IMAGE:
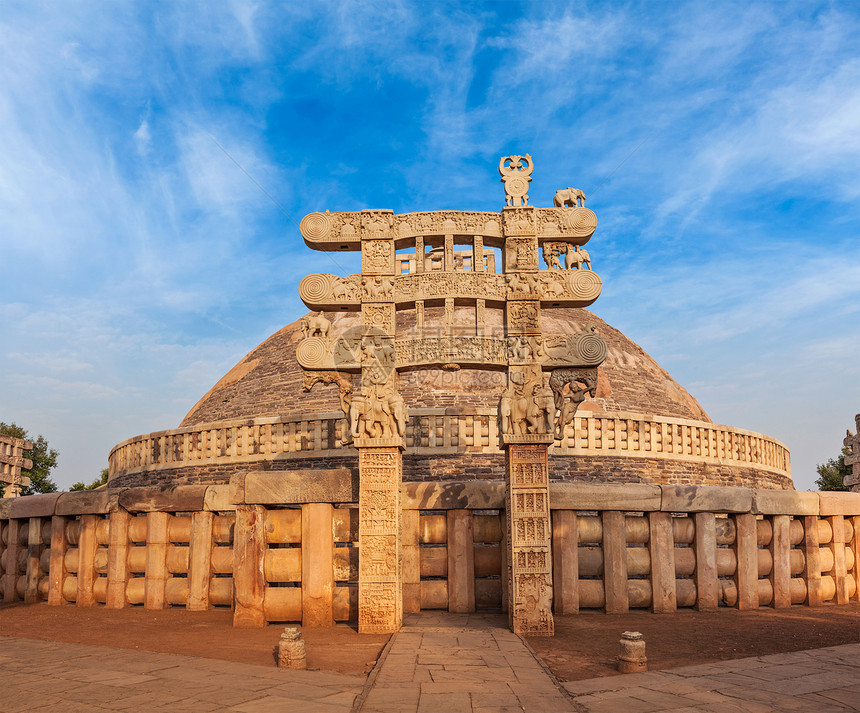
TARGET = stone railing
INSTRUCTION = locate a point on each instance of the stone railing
(277, 546)
(434, 431)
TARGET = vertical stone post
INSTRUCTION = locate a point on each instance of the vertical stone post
(380, 593)
(746, 552)
(13, 545)
(529, 551)
(118, 547)
(419, 253)
(837, 549)
(199, 560)
(249, 578)
(87, 545)
(478, 253)
(461, 561)
(34, 555)
(662, 546)
(156, 560)
(565, 562)
(617, 600)
(855, 545)
(317, 565)
(780, 573)
(707, 582)
(380, 432)
(411, 560)
(57, 569)
(812, 556)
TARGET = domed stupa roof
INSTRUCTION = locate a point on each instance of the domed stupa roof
(268, 381)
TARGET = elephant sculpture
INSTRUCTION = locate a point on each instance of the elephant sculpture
(374, 415)
(573, 259)
(569, 197)
(316, 326)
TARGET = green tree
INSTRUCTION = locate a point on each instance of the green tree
(832, 473)
(44, 460)
(97, 483)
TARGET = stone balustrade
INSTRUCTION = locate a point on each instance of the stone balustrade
(276, 546)
(440, 431)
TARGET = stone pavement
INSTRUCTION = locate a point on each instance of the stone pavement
(817, 681)
(460, 663)
(437, 663)
(37, 675)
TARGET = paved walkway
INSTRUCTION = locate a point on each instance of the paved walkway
(466, 663)
(437, 663)
(817, 681)
(37, 675)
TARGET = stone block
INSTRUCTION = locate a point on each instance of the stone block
(5, 508)
(835, 503)
(217, 499)
(237, 488)
(41, 505)
(163, 498)
(334, 485)
(694, 498)
(87, 502)
(472, 495)
(784, 502)
(593, 496)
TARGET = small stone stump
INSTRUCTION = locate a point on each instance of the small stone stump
(632, 658)
(291, 649)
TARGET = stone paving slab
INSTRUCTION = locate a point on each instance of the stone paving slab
(437, 663)
(469, 663)
(42, 676)
(817, 681)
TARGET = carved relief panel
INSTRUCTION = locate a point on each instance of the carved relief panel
(530, 562)
(379, 577)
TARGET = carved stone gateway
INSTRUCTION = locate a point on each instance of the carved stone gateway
(12, 461)
(411, 262)
(852, 456)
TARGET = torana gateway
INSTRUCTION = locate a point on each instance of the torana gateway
(450, 429)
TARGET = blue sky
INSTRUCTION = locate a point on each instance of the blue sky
(140, 264)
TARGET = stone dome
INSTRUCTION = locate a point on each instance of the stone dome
(268, 381)
(642, 426)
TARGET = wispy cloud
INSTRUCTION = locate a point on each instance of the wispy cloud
(146, 262)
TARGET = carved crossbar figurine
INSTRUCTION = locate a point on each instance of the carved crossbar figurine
(12, 461)
(548, 375)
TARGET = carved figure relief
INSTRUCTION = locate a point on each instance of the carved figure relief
(524, 315)
(574, 259)
(316, 326)
(571, 197)
(525, 405)
(378, 412)
(522, 283)
(379, 289)
(377, 256)
(580, 383)
(343, 382)
(516, 174)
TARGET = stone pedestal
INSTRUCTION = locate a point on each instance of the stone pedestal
(380, 599)
(528, 526)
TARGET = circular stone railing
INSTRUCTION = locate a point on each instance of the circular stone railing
(450, 431)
